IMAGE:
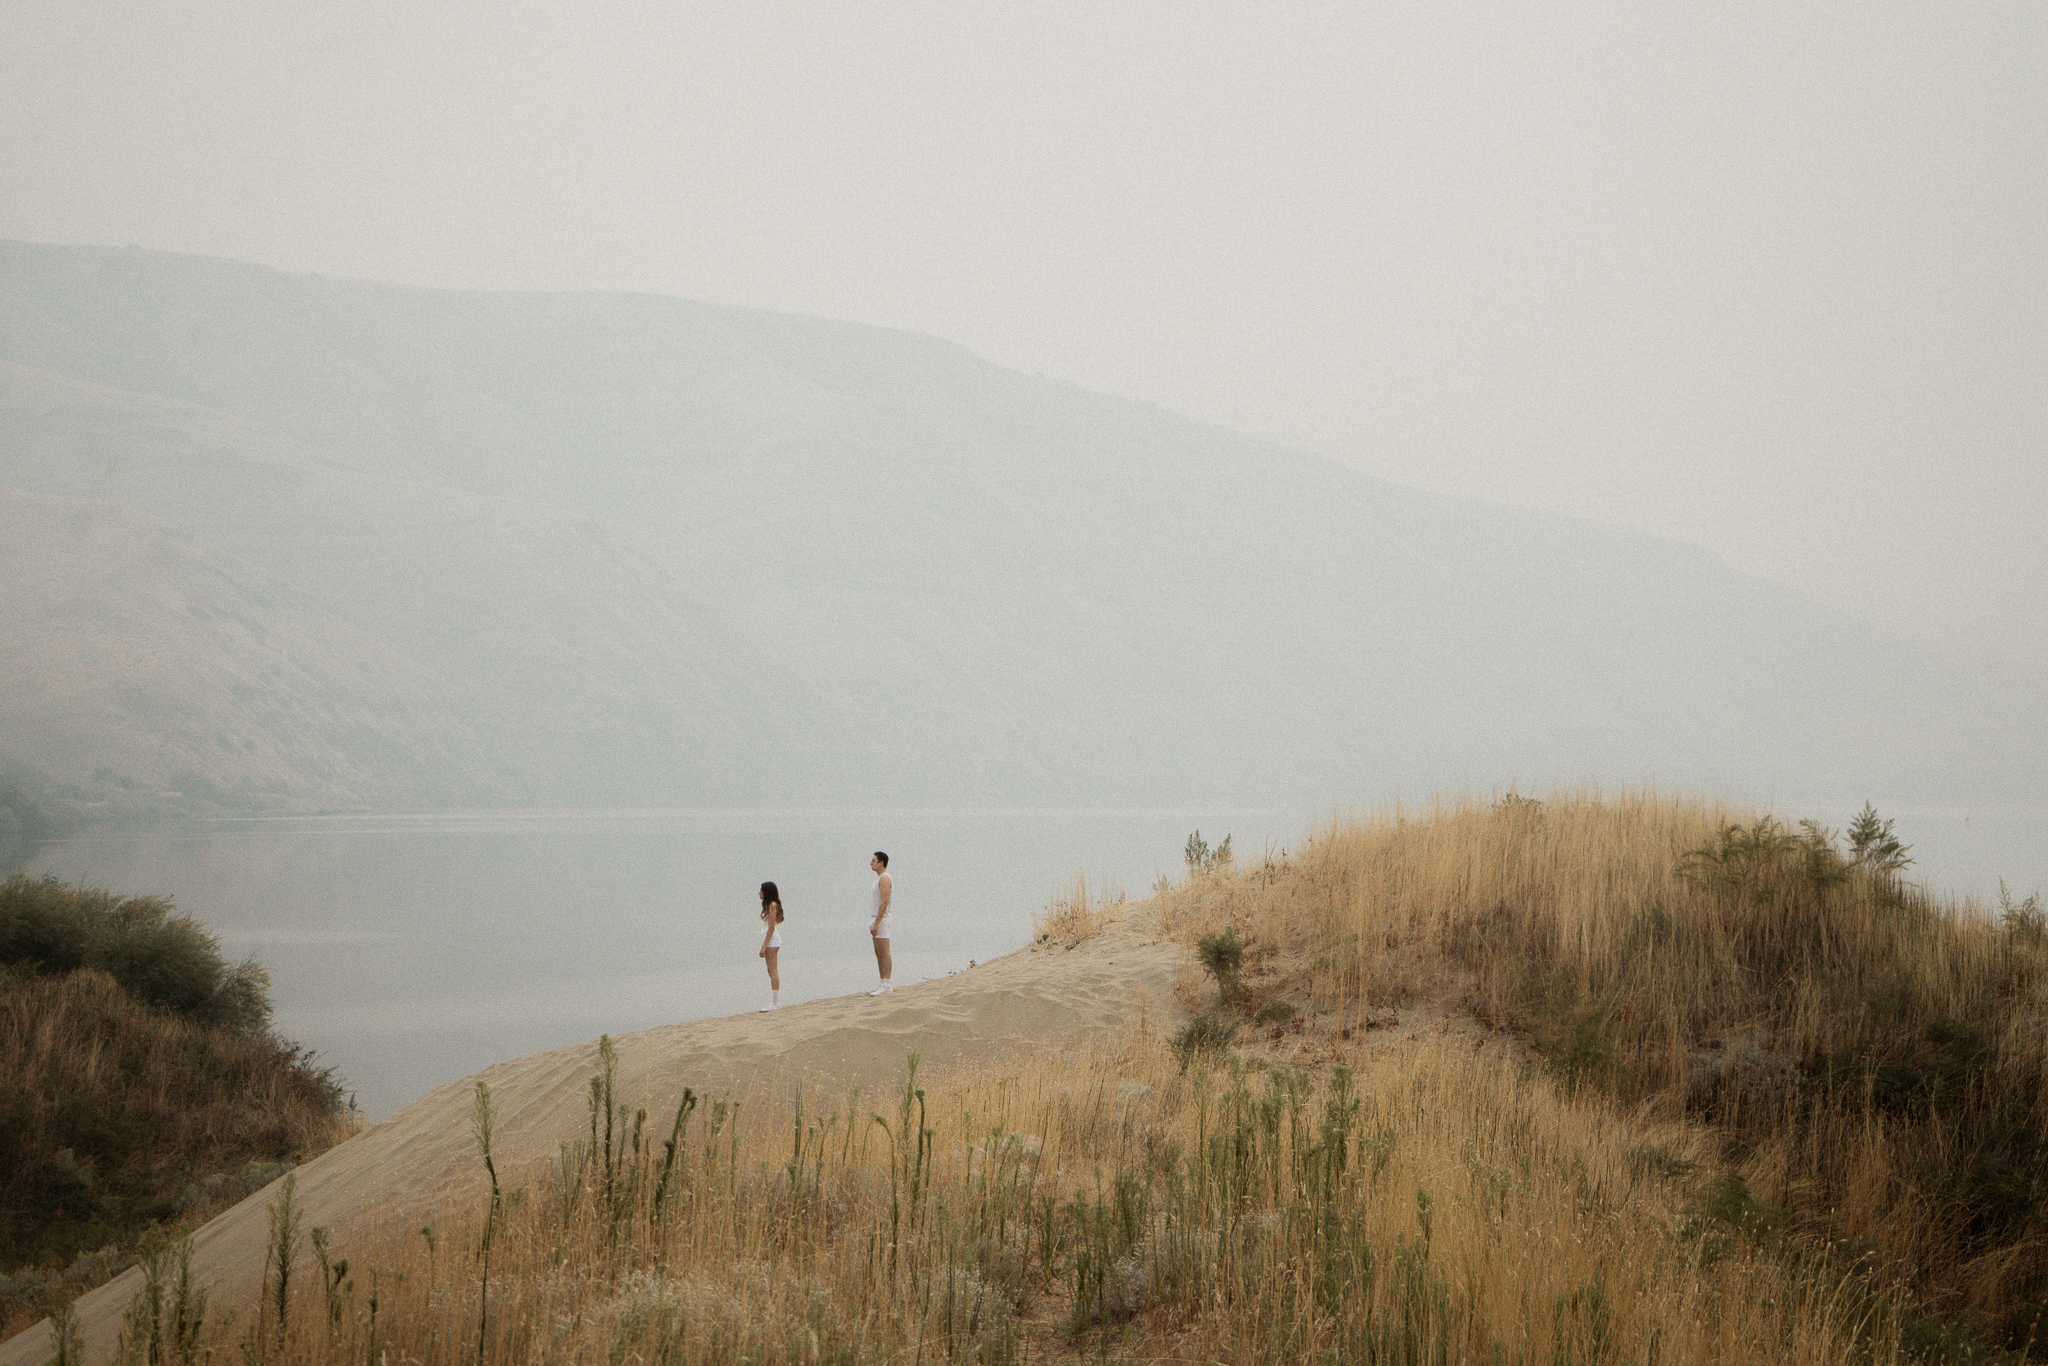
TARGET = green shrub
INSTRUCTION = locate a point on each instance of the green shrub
(1202, 859)
(1872, 844)
(1222, 957)
(163, 959)
(1275, 1013)
(1206, 1033)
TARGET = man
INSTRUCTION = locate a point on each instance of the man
(878, 924)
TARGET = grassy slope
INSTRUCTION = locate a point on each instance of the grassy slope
(112, 1110)
(1871, 1067)
(1754, 1137)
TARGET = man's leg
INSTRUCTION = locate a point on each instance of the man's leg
(882, 963)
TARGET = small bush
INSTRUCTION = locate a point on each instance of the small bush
(1275, 1013)
(1202, 859)
(2023, 920)
(1222, 957)
(161, 958)
(1873, 846)
(1206, 1033)
(1726, 1215)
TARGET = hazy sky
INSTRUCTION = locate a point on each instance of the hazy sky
(1768, 277)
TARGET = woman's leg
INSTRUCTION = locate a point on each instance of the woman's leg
(774, 977)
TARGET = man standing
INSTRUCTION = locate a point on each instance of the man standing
(878, 924)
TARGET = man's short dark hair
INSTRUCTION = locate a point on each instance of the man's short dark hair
(883, 857)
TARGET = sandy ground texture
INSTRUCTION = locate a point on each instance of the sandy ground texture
(425, 1156)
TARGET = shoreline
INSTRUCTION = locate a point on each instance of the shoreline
(424, 1156)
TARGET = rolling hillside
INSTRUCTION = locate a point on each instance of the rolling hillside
(666, 551)
(128, 644)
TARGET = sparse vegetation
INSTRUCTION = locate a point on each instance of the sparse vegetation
(1076, 912)
(140, 1087)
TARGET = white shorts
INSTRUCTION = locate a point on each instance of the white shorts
(882, 931)
(775, 939)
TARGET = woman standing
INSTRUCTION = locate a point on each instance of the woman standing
(771, 941)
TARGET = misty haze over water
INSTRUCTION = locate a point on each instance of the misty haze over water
(411, 951)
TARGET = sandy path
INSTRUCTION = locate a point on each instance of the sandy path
(424, 1156)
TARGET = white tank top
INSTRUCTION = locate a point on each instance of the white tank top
(875, 898)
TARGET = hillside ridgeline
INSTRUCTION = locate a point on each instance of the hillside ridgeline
(617, 549)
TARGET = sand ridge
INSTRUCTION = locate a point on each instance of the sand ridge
(424, 1157)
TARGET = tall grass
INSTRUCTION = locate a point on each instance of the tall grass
(1431, 1207)
(1876, 1061)
(1076, 911)
(110, 1112)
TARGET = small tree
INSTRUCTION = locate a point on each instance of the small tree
(1202, 859)
(1873, 846)
(1222, 957)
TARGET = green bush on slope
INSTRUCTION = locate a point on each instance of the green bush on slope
(163, 959)
(140, 1085)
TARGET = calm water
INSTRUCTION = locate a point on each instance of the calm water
(413, 950)
(410, 951)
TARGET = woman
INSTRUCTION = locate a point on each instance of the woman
(771, 942)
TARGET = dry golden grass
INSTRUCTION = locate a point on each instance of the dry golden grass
(1076, 911)
(1680, 1119)
(1433, 1207)
(1876, 1061)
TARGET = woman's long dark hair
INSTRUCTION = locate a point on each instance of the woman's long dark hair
(771, 897)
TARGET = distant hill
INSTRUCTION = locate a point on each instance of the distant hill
(665, 551)
(127, 644)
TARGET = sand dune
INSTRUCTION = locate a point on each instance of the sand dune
(424, 1156)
